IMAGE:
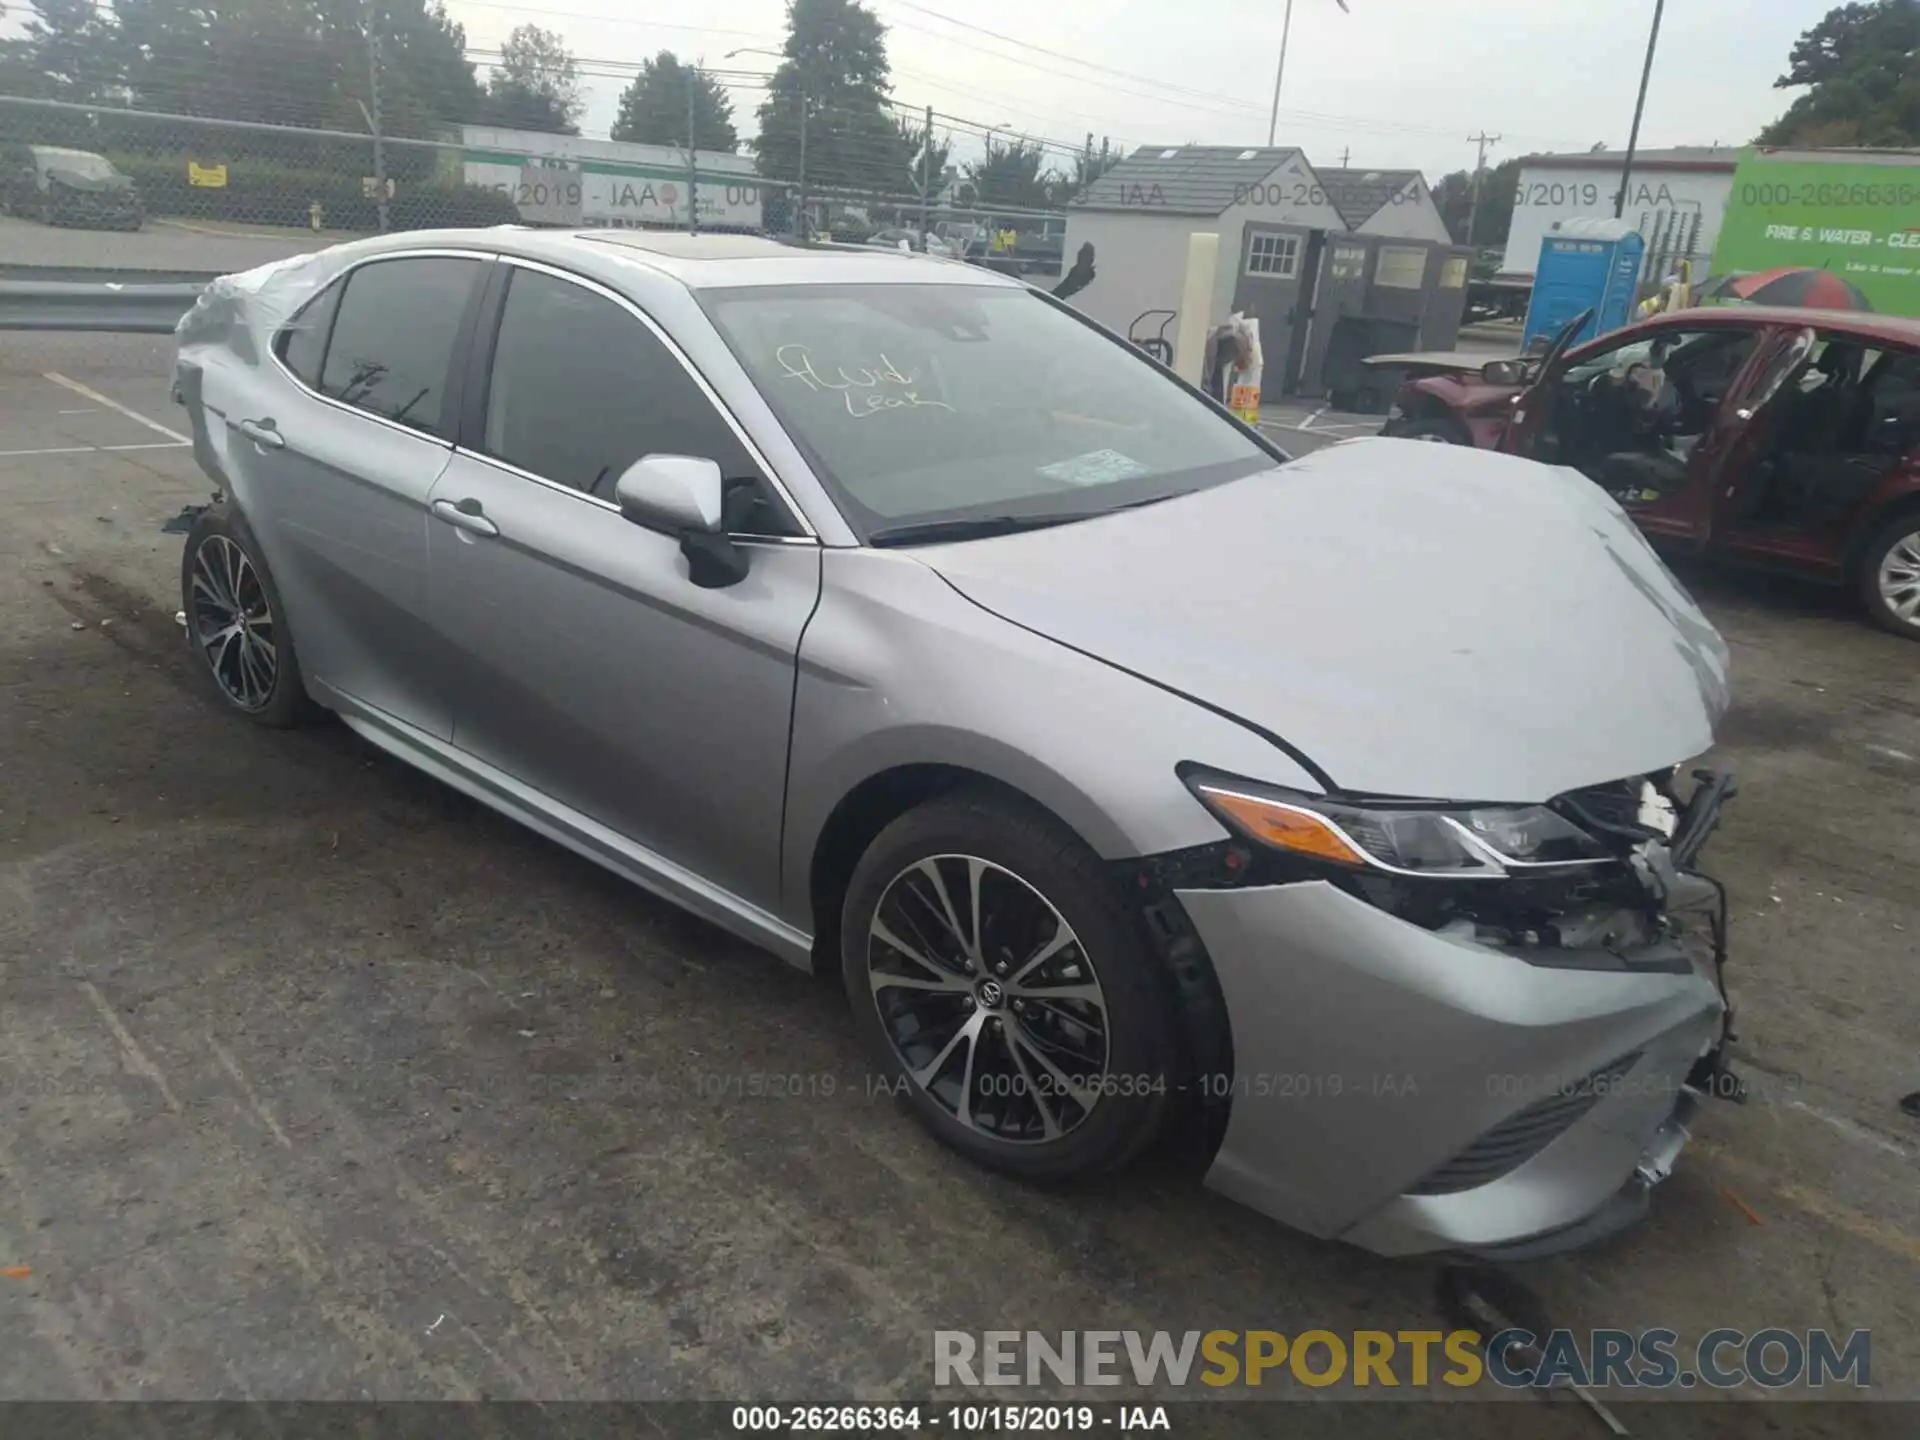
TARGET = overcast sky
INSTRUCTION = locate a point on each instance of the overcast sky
(1400, 83)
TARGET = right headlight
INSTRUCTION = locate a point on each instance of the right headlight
(1403, 837)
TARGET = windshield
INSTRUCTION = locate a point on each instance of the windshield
(77, 162)
(936, 402)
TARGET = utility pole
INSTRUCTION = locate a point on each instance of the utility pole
(373, 122)
(1346, 157)
(800, 211)
(1639, 109)
(1483, 140)
(926, 174)
(693, 172)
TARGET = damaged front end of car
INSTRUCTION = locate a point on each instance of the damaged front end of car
(1455, 1027)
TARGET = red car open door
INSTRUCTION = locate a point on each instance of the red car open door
(1653, 413)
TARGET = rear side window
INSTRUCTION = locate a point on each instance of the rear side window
(394, 337)
(303, 344)
(581, 389)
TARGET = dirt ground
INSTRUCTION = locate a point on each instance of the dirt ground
(318, 1081)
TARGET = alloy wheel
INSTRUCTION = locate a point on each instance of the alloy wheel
(233, 624)
(1899, 579)
(988, 999)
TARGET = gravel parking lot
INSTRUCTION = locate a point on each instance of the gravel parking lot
(316, 1080)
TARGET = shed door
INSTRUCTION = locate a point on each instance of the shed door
(1274, 261)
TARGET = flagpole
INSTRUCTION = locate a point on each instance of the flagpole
(1280, 72)
(1286, 29)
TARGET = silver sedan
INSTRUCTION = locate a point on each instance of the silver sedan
(1330, 814)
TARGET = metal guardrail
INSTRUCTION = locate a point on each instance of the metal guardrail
(115, 302)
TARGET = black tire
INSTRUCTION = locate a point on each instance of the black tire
(1436, 429)
(282, 702)
(1102, 1123)
(1902, 533)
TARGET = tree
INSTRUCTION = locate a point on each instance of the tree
(296, 62)
(653, 109)
(1499, 187)
(835, 78)
(1088, 166)
(64, 52)
(1010, 174)
(1861, 68)
(536, 85)
(926, 164)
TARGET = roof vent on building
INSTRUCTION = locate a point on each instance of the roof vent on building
(1248, 154)
(1169, 154)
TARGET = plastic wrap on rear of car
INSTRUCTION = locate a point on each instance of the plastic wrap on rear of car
(240, 312)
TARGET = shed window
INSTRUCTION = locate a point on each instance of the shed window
(1453, 274)
(1401, 267)
(1275, 255)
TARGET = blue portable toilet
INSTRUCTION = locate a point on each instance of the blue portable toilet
(1586, 263)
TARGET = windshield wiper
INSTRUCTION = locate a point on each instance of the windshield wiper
(982, 527)
(967, 527)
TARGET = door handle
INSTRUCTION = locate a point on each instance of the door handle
(464, 515)
(262, 433)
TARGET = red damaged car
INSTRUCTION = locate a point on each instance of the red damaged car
(1785, 437)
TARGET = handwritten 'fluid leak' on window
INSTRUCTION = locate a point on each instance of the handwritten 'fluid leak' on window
(864, 390)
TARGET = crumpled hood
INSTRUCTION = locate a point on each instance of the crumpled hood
(1418, 620)
(95, 184)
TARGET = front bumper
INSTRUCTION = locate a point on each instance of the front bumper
(97, 208)
(1407, 1090)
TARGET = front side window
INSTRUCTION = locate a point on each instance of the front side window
(393, 340)
(920, 403)
(581, 389)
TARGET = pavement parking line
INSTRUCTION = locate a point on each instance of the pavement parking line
(93, 449)
(94, 395)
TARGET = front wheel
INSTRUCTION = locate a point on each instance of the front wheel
(999, 981)
(1889, 577)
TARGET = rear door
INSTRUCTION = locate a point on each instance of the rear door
(588, 665)
(1826, 455)
(334, 464)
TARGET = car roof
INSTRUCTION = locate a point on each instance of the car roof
(703, 262)
(1861, 324)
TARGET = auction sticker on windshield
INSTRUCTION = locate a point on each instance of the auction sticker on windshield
(1098, 467)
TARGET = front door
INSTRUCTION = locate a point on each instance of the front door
(1649, 416)
(587, 665)
(338, 470)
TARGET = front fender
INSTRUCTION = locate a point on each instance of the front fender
(898, 668)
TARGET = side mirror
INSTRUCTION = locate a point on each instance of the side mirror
(1504, 372)
(684, 495)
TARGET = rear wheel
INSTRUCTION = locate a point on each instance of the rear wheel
(998, 979)
(1889, 576)
(236, 623)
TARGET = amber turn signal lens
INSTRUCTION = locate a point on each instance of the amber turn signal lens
(1283, 826)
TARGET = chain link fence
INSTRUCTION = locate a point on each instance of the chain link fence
(65, 164)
